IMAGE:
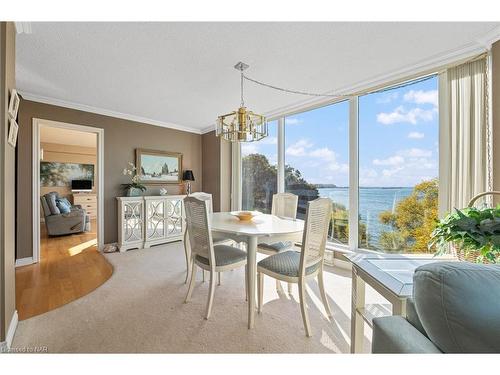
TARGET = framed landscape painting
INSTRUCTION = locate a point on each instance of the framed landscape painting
(158, 167)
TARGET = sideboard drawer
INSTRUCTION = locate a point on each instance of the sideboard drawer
(79, 199)
(88, 203)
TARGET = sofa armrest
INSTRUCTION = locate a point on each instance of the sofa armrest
(394, 334)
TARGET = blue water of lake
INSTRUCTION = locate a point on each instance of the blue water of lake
(372, 201)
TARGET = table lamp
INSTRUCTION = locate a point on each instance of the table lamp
(188, 176)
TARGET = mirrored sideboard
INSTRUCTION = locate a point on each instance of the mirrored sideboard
(149, 220)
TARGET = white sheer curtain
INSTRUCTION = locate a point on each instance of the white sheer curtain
(464, 134)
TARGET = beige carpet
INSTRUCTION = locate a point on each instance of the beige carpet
(141, 309)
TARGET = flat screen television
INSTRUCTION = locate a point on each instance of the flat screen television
(81, 185)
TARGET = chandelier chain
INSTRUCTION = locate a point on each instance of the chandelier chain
(287, 90)
(242, 100)
(339, 96)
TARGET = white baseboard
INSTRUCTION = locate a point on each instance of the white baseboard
(7, 344)
(24, 261)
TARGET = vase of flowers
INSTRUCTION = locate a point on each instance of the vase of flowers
(473, 234)
(134, 188)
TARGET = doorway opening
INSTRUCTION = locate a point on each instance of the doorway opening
(68, 218)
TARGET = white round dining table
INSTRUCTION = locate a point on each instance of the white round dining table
(261, 229)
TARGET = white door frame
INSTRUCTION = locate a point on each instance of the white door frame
(37, 125)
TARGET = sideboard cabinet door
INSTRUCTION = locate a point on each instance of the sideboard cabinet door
(131, 223)
(175, 218)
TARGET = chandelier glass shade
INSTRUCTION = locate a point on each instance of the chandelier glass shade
(241, 125)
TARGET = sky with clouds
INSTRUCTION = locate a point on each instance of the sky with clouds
(398, 139)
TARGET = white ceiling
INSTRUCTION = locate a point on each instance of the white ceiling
(181, 74)
(67, 137)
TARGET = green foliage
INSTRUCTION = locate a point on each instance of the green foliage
(412, 221)
(472, 229)
(261, 184)
(339, 230)
(258, 190)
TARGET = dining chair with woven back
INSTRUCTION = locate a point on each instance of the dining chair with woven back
(298, 267)
(285, 207)
(206, 255)
(207, 198)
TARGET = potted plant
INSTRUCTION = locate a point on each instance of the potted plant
(135, 188)
(474, 234)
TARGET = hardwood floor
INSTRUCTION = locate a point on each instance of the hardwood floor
(70, 268)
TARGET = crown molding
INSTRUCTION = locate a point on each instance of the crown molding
(105, 112)
(208, 129)
(423, 67)
(427, 66)
(489, 38)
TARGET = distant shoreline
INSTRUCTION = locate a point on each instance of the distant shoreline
(327, 186)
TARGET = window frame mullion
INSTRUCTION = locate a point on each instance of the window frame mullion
(281, 155)
(353, 173)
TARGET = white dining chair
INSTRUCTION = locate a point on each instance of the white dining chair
(206, 255)
(297, 267)
(207, 198)
(284, 206)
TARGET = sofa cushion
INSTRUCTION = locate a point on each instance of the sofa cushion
(458, 304)
(45, 206)
(63, 205)
(51, 202)
(412, 316)
(395, 335)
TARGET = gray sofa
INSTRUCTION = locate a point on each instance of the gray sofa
(455, 309)
(58, 224)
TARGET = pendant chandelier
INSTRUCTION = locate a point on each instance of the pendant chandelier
(241, 125)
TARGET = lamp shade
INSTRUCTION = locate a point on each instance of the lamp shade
(188, 175)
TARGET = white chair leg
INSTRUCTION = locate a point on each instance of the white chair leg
(210, 294)
(279, 288)
(246, 282)
(187, 251)
(323, 294)
(290, 288)
(218, 278)
(260, 291)
(192, 281)
(303, 307)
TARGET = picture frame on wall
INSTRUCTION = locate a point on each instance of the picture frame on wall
(158, 167)
(14, 104)
(13, 130)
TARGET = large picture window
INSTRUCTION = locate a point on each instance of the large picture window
(316, 162)
(375, 157)
(398, 167)
(260, 171)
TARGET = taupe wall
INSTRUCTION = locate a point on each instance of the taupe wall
(225, 176)
(211, 167)
(121, 138)
(217, 170)
(495, 76)
(7, 177)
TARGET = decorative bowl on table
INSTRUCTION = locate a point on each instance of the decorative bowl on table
(245, 215)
